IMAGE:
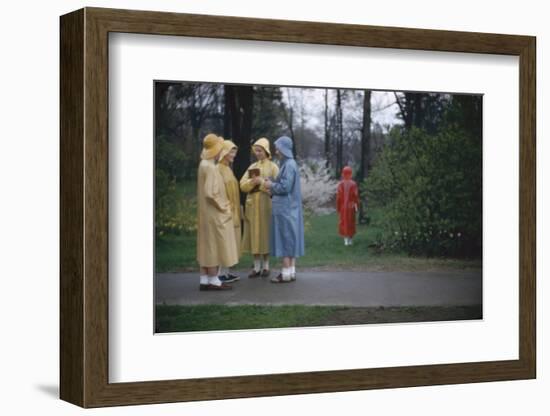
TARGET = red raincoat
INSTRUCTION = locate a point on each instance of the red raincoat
(347, 200)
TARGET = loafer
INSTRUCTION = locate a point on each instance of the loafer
(254, 274)
(265, 273)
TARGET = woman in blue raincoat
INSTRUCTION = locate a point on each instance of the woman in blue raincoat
(287, 224)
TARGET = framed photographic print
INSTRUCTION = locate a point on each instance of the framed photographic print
(255, 207)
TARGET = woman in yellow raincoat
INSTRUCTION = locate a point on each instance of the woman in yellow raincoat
(227, 155)
(215, 230)
(257, 216)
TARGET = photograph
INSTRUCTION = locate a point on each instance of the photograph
(255, 205)
(295, 207)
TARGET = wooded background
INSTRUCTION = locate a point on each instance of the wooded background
(416, 155)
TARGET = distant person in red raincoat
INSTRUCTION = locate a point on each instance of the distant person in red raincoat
(347, 199)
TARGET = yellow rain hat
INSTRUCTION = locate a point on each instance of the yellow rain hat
(264, 144)
(211, 146)
(227, 146)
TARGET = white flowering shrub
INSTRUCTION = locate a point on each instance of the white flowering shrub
(318, 188)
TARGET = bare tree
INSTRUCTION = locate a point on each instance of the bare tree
(327, 133)
(339, 133)
(238, 115)
(366, 150)
(289, 115)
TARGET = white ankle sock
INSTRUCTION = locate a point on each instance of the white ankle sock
(204, 279)
(214, 280)
(222, 271)
(256, 265)
(286, 273)
(266, 264)
(293, 270)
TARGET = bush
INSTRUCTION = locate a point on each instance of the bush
(174, 213)
(430, 189)
(170, 158)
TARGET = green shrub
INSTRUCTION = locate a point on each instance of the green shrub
(171, 158)
(430, 189)
(174, 214)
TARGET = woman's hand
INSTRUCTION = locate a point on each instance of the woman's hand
(256, 180)
(267, 184)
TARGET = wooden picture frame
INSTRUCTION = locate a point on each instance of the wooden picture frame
(84, 207)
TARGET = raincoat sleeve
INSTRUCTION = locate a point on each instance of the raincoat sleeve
(246, 183)
(272, 175)
(283, 183)
(212, 190)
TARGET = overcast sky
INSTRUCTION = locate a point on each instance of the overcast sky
(312, 100)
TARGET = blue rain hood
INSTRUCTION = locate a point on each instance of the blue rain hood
(284, 145)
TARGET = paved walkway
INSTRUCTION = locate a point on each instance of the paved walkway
(443, 288)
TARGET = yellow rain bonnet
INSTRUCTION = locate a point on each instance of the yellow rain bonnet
(227, 146)
(211, 146)
(264, 144)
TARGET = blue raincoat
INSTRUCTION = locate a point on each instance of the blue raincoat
(287, 223)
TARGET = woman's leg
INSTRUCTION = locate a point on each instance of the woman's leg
(265, 265)
(287, 262)
(287, 267)
(204, 276)
(213, 276)
(256, 271)
(210, 279)
(285, 275)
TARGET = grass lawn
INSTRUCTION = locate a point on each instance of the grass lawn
(178, 318)
(324, 249)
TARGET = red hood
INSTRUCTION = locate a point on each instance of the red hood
(347, 172)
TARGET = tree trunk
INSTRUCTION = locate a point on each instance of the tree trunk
(366, 156)
(228, 103)
(238, 116)
(339, 134)
(327, 135)
(365, 138)
(290, 122)
(160, 95)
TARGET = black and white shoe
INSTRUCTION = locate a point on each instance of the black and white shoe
(234, 277)
(228, 278)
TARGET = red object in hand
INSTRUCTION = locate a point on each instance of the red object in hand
(347, 198)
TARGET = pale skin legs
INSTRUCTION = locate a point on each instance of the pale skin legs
(258, 257)
(287, 262)
(209, 271)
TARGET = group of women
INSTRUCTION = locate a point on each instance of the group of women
(273, 219)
